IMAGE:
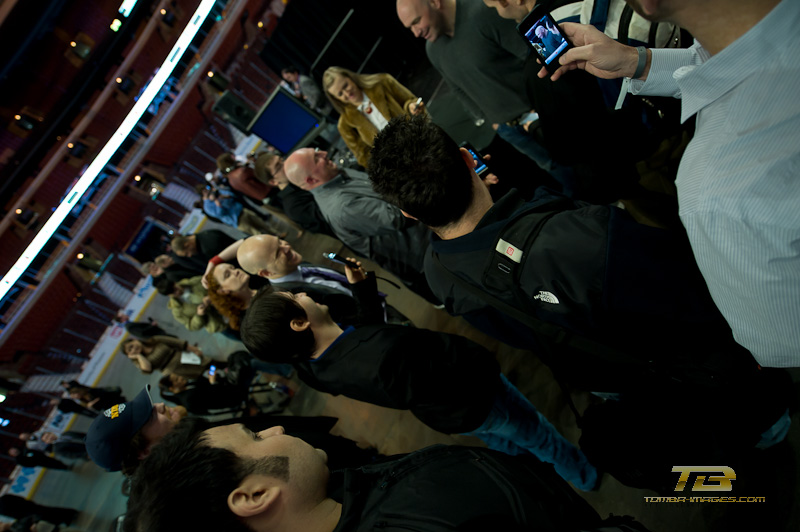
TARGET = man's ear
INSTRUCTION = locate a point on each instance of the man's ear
(144, 453)
(255, 495)
(299, 324)
(467, 156)
(263, 272)
(407, 215)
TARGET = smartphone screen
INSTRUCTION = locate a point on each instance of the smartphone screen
(336, 258)
(480, 164)
(543, 34)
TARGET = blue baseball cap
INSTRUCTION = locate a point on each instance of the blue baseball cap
(111, 432)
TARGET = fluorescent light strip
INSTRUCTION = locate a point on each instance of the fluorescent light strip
(99, 162)
(126, 7)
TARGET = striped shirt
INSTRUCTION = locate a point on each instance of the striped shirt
(739, 180)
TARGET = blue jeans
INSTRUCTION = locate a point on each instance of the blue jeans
(514, 426)
(776, 433)
(527, 145)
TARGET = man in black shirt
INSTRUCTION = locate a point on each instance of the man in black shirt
(229, 478)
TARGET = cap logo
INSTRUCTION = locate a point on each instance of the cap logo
(114, 411)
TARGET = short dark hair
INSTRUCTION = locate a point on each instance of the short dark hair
(416, 166)
(184, 473)
(291, 69)
(266, 330)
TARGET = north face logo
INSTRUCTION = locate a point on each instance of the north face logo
(547, 297)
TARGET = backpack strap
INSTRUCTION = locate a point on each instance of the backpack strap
(503, 272)
(516, 238)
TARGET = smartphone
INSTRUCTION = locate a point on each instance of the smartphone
(212, 370)
(337, 258)
(542, 33)
(480, 165)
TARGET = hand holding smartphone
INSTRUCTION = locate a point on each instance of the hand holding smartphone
(353, 270)
(481, 167)
(338, 258)
(545, 37)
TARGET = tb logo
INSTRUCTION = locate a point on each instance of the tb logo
(723, 481)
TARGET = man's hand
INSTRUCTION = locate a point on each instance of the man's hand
(415, 109)
(596, 53)
(489, 179)
(355, 272)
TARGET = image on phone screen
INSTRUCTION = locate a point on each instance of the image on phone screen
(546, 39)
(480, 166)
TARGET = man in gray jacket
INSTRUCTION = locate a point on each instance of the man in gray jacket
(359, 217)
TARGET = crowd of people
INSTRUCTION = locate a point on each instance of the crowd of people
(653, 311)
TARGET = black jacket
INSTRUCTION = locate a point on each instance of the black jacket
(448, 488)
(591, 272)
(447, 381)
(209, 243)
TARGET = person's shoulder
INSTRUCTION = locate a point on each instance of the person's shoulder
(486, 21)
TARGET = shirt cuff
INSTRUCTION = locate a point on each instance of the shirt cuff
(664, 62)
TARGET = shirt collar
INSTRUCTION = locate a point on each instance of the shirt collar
(337, 181)
(295, 276)
(339, 338)
(702, 85)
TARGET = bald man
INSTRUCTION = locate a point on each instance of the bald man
(362, 220)
(298, 204)
(273, 258)
(482, 58)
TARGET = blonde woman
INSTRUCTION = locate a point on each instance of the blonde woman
(366, 103)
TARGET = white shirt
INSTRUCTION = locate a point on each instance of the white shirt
(375, 117)
(739, 179)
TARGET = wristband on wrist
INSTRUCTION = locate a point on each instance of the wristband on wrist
(641, 63)
(216, 260)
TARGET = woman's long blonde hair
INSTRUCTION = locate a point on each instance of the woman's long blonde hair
(362, 81)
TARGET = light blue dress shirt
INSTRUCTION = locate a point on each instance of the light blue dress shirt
(739, 179)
